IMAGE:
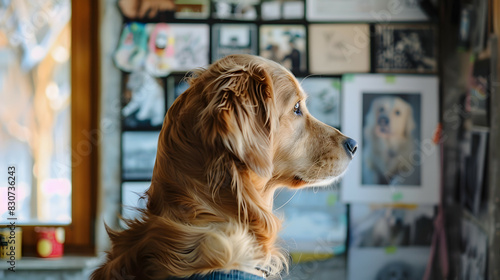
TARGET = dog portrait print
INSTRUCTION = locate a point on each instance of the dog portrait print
(391, 136)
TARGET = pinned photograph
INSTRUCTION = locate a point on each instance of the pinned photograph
(394, 127)
(474, 251)
(282, 9)
(176, 47)
(406, 48)
(133, 198)
(143, 98)
(138, 154)
(473, 171)
(339, 48)
(233, 39)
(378, 225)
(323, 100)
(192, 9)
(176, 85)
(312, 208)
(380, 11)
(235, 9)
(285, 44)
(132, 47)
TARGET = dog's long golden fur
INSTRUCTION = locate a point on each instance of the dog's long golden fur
(238, 133)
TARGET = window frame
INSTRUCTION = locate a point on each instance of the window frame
(80, 234)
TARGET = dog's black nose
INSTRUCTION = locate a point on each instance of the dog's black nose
(351, 146)
(383, 121)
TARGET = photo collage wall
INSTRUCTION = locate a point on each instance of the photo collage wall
(368, 69)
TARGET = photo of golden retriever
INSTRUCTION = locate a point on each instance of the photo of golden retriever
(239, 132)
(390, 155)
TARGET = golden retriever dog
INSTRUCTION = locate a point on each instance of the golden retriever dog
(389, 143)
(240, 131)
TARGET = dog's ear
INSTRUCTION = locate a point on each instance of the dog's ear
(240, 114)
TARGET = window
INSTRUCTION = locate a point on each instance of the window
(48, 87)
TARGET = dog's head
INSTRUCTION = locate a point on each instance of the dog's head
(390, 118)
(255, 110)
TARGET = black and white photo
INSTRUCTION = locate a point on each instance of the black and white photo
(406, 48)
(474, 251)
(235, 9)
(473, 170)
(230, 39)
(138, 154)
(282, 9)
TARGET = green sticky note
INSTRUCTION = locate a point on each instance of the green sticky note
(336, 84)
(348, 77)
(397, 196)
(390, 79)
(332, 199)
(472, 58)
(391, 250)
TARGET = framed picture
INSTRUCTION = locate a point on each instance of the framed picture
(474, 250)
(378, 225)
(176, 47)
(285, 44)
(233, 39)
(279, 10)
(406, 48)
(235, 9)
(143, 100)
(381, 11)
(473, 171)
(323, 100)
(176, 85)
(407, 263)
(192, 9)
(139, 154)
(339, 48)
(314, 220)
(133, 198)
(393, 118)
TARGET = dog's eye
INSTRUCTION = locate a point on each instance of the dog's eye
(381, 110)
(296, 109)
(398, 113)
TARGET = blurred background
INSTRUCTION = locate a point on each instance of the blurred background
(85, 85)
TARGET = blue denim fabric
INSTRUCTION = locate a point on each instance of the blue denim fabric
(220, 275)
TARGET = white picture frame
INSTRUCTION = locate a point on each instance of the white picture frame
(397, 161)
